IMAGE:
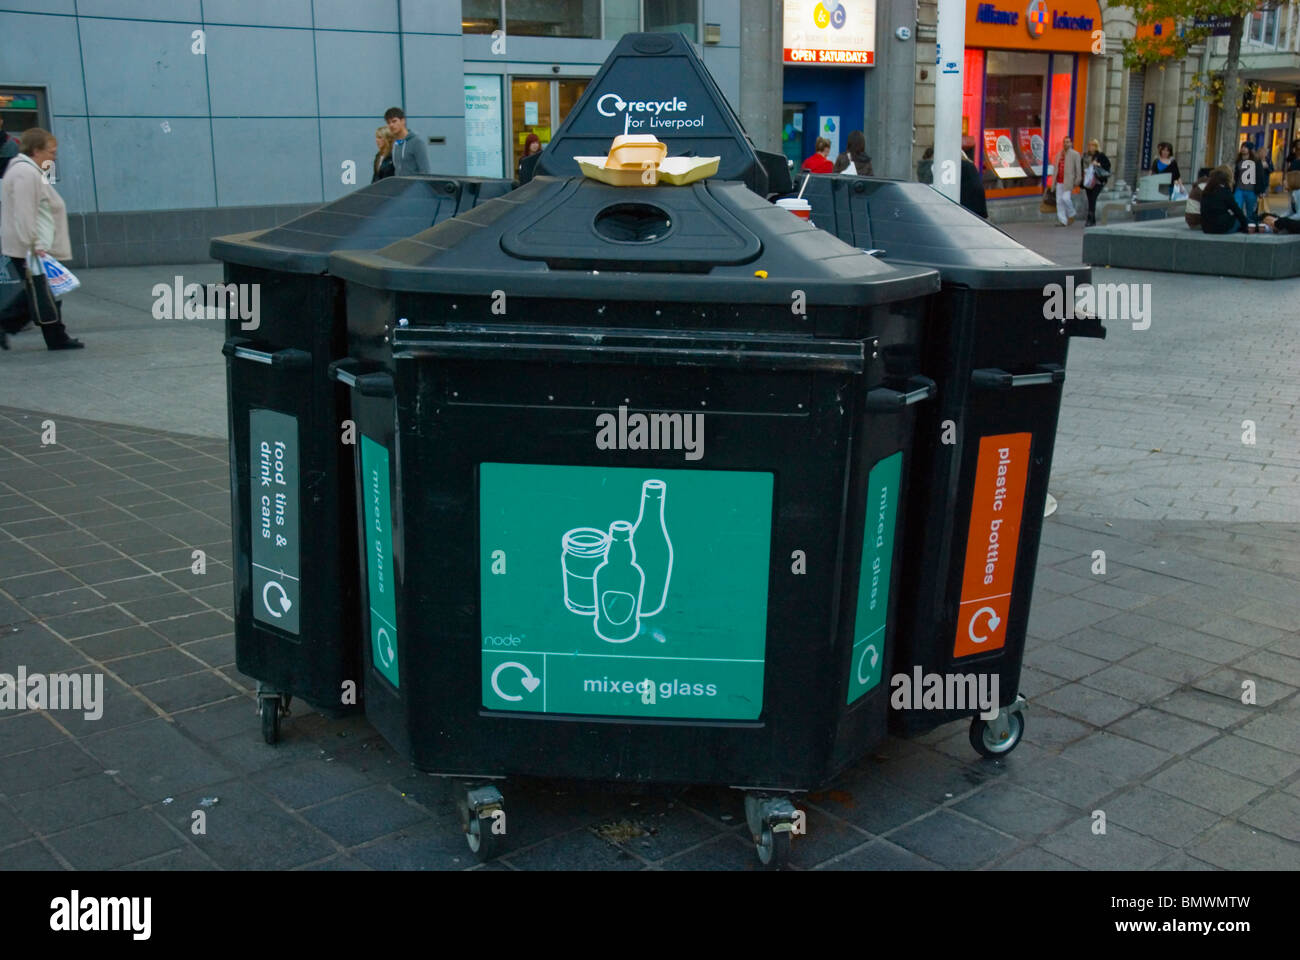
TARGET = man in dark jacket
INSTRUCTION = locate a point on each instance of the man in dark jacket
(972, 189)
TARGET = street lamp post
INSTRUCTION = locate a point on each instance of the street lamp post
(950, 46)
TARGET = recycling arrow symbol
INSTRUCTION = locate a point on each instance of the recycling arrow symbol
(282, 601)
(528, 681)
(993, 624)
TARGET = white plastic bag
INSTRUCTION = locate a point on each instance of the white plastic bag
(60, 278)
(1178, 192)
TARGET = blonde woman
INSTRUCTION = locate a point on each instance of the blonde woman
(1099, 164)
(383, 166)
(34, 221)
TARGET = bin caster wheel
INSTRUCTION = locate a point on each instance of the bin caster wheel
(990, 741)
(771, 821)
(483, 843)
(773, 848)
(483, 819)
(269, 707)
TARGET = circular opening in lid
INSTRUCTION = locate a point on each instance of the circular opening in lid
(633, 223)
(650, 43)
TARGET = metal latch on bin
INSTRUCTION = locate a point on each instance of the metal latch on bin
(885, 400)
(991, 378)
(238, 348)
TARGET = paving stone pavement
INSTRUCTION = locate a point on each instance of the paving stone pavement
(1135, 675)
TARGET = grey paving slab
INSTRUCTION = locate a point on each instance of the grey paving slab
(155, 760)
(1234, 846)
(954, 841)
(1118, 755)
(1164, 730)
(363, 816)
(1206, 786)
(1011, 809)
(115, 841)
(1116, 849)
(1248, 758)
(1159, 816)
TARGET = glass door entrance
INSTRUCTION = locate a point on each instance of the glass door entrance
(539, 107)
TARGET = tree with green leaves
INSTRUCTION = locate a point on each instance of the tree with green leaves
(1155, 50)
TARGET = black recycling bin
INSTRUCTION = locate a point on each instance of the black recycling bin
(629, 464)
(996, 341)
(292, 509)
(655, 83)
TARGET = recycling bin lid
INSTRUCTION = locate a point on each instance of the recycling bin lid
(370, 217)
(914, 223)
(711, 241)
(655, 83)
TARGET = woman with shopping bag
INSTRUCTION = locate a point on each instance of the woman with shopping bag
(34, 236)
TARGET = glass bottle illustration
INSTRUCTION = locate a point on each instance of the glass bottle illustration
(619, 585)
(654, 551)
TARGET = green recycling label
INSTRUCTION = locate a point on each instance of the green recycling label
(865, 664)
(273, 449)
(624, 592)
(379, 558)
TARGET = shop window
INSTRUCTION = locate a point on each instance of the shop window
(1014, 108)
(1262, 28)
(622, 16)
(480, 16)
(673, 16)
(553, 18)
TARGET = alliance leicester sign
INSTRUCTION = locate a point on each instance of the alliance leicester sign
(1057, 25)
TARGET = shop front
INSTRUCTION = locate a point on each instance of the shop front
(1268, 121)
(827, 46)
(1025, 84)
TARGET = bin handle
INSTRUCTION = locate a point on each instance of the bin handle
(631, 347)
(991, 378)
(236, 348)
(885, 400)
(366, 384)
(342, 371)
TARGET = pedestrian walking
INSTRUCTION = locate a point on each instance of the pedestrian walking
(855, 153)
(1069, 175)
(34, 222)
(1263, 180)
(383, 165)
(1096, 171)
(1245, 178)
(409, 154)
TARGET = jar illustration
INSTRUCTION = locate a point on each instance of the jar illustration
(619, 584)
(583, 550)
